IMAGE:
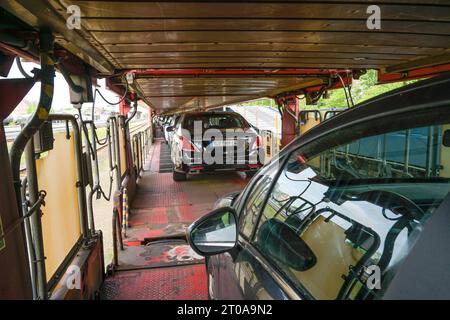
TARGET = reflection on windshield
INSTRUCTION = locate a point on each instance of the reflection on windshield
(215, 121)
(412, 153)
(358, 206)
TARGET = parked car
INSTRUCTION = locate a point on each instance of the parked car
(173, 122)
(166, 123)
(357, 208)
(214, 141)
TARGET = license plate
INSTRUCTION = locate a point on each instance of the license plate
(224, 143)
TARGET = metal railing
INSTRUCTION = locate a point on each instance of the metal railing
(86, 141)
(139, 149)
(33, 199)
(141, 144)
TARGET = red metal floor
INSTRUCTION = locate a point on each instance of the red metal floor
(163, 207)
(151, 265)
(170, 283)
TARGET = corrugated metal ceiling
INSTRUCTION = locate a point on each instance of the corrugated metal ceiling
(255, 35)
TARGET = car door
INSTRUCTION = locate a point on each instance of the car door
(242, 273)
(340, 216)
(171, 134)
(174, 145)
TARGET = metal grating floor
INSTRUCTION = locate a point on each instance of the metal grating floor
(164, 208)
(159, 132)
(173, 283)
(156, 263)
(165, 163)
(162, 253)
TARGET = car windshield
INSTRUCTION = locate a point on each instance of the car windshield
(215, 121)
(358, 208)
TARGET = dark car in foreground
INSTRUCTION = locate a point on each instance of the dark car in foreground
(205, 142)
(357, 208)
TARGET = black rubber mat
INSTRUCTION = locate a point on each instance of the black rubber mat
(165, 164)
(159, 132)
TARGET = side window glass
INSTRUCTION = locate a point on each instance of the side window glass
(256, 198)
(337, 223)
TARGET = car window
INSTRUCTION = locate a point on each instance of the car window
(215, 121)
(175, 120)
(338, 222)
(178, 123)
(260, 187)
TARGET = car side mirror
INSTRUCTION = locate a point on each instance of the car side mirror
(214, 233)
(170, 129)
(280, 241)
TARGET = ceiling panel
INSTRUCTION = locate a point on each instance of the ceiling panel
(212, 37)
(411, 10)
(249, 35)
(260, 54)
(261, 25)
(182, 93)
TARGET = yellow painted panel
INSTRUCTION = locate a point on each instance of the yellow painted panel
(328, 242)
(57, 175)
(136, 153)
(445, 157)
(312, 122)
(2, 240)
(314, 162)
(123, 159)
(269, 147)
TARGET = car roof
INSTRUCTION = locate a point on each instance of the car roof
(421, 95)
(212, 113)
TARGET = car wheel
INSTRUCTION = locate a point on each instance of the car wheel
(179, 176)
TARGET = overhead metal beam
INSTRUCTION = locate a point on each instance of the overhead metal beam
(38, 14)
(143, 73)
(13, 51)
(420, 63)
(384, 77)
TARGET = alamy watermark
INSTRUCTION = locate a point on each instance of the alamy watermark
(73, 280)
(74, 19)
(374, 20)
(215, 146)
(374, 279)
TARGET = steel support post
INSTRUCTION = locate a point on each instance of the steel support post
(29, 237)
(289, 124)
(115, 150)
(96, 182)
(46, 75)
(36, 224)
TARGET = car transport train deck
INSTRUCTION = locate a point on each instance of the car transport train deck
(148, 176)
(156, 262)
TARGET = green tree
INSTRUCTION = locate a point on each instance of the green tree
(363, 89)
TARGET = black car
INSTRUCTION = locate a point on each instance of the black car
(357, 208)
(203, 142)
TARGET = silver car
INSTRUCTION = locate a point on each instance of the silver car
(214, 141)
